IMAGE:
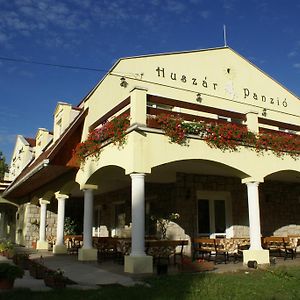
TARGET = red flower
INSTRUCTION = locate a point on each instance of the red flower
(114, 131)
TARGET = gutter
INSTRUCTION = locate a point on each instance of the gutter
(39, 167)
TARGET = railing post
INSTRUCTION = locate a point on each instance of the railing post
(138, 106)
(252, 121)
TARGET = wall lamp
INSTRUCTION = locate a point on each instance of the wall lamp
(123, 83)
(264, 112)
(199, 98)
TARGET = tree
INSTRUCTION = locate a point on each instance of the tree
(3, 166)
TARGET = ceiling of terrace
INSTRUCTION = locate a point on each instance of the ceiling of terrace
(113, 178)
(286, 176)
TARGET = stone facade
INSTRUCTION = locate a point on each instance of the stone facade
(279, 206)
(27, 224)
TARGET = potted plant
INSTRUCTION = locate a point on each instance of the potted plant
(6, 248)
(8, 274)
(22, 260)
(55, 279)
(37, 270)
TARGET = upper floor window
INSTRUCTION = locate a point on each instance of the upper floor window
(59, 126)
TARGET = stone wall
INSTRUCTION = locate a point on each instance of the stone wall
(187, 186)
(27, 225)
(280, 208)
(279, 205)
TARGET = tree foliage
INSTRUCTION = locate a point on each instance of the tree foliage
(3, 166)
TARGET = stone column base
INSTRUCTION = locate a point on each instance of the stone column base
(42, 245)
(138, 264)
(261, 256)
(87, 254)
(59, 249)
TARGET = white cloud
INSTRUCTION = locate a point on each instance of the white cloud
(175, 6)
(228, 5)
(297, 65)
(50, 22)
(292, 54)
(3, 38)
(205, 14)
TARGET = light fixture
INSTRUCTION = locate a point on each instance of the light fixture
(264, 112)
(199, 98)
(123, 83)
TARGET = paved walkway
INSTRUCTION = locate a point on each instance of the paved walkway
(91, 275)
(87, 275)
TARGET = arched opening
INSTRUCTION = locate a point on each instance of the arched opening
(202, 192)
(280, 203)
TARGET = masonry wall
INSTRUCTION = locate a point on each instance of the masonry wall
(279, 205)
(280, 208)
(27, 225)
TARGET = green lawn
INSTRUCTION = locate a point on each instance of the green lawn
(281, 283)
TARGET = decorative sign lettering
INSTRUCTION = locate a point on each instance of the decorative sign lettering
(205, 83)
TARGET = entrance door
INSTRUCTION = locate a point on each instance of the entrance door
(214, 213)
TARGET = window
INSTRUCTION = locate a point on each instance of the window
(220, 216)
(203, 216)
(59, 127)
(214, 213)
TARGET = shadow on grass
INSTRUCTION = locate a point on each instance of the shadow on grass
(271, 283)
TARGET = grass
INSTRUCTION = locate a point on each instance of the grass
(279, 283)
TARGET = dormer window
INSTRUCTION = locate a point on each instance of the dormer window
(59, 126)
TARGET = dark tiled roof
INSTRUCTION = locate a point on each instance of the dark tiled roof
(31, 141)
(52, 154)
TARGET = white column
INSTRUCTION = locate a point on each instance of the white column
(42, 244)
(59, 244)
(138, 261)
(87, 252)
(138, 214)
(43, 219)
(254, 215)
(88, 219)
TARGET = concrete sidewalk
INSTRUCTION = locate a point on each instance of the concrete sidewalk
(86, 275)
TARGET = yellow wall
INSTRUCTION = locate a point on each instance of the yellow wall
(227, 75)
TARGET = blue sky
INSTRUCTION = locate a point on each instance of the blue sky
(95, 33)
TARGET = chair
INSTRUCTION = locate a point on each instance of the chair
(107, 248)
(275, 244)
(203, 247)
(290, 244)
(74, 242)
(178, 250)
(227, 248)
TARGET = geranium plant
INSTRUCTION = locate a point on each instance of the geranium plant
(173, 127)
(229, 136)
(280, 143)
(113, 131)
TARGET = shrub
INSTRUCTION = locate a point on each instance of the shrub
(10, 272)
